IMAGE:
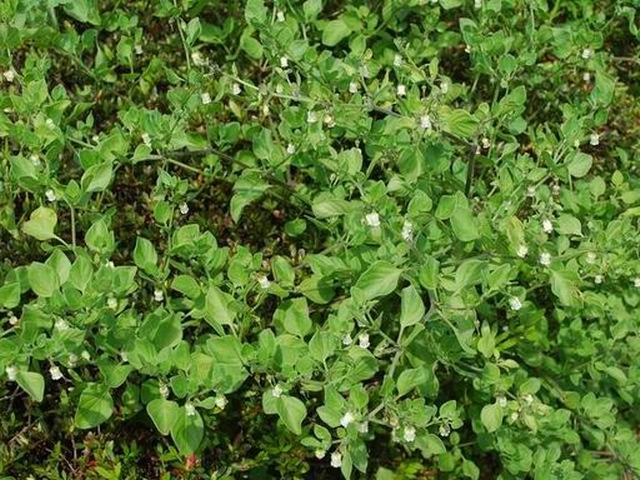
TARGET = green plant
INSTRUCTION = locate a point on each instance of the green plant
(407, 227)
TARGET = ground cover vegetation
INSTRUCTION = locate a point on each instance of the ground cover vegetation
(321, 239)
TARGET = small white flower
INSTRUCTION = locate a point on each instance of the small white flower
(425, 122)
(407, 231)
(372, 219)
(9, 75)
(346, 419)
(478, 150)
(198, 59)
(636, 282)
(284, 62)
(514, 417)
(444, 430)
(467, 48)
(545, 259)
(319, 453)
(61, 325)
(280, 16)
(35, 160)
(587, 53)
(189, 409)
(336, 459)
(109, 264)
(485, 143)
(531, 191)
(409, 434)
(555, 190)
(264, 282)
(515, 303)
(347, 340)
(184, 208)
(363, 340)
(276, 391)
(85, 355)
(353, 87)
(112, 303)
(401, 90)
(397, 60)
(291, 149)
(221, 402)
(158, 295)
(363, 427)
(598, 279)
(138, 49)
(164, 390)
(51, 195)
(13, 320)
(591, 258)
(11, 372)
(124, 356)
(55, 373)
(146, 139)
(528, 399)
(329, 120)
(586, 77)
(236, 89)
(444, 87)
(477, 4)
(594, 139)
(312, 117)
(547, 226)
(206, 98)
(72, 360)
(522, 251)
(502, 401)
(95, 139)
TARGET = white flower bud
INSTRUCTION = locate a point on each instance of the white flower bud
(236, 89)
(189, 409)
(444, 430)
(347, 340)
(276, 391)
(280, 16)
(407, 231)
(158, 295)
(502, 401)
(336, 459)
(55, 373)
(397, 60)
(425, 122)
(163, 389)
(545, 259)
(11, 372)
(198, 59)
(372, 219)
(9, 75)
(636, 282)
(206, 98)
(363, 340)
(547, 226)
(597, 279)
(51, 195)
(515, 303)
(346, 419)
(312, 117)
(522, 251)
(264, 282)
(221, 401)
(13, 320)
(401, 90)
(138, 49)
(284, 62)
(409, 434)
(594, 139)
(587, 53)
(353, 87)
(291, 149)
(184, 208)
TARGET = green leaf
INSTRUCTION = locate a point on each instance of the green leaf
(95, 406)
(85, 11)
(187, 431)
(464, 224)
(296, 317)
(251, 46)
(41, 224)
(412, 308)
(311, 9)
(255, 12)
(411, 378)
(292, 412)
(43, 279)
(579, 164)
(10, 295)
(491, 417)
(32, 383)
(458, 122)
(569, 225)
(217, 307)
(380, 279)
(164, 414)
(564, 286)
(145, 256)
(97, 177)
(334, 32)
